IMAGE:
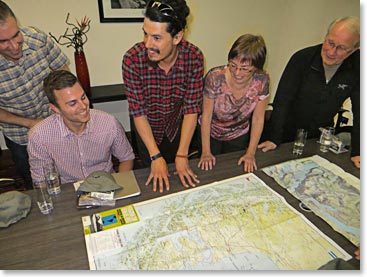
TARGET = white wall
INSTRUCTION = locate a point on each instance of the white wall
(119, 109)
(286, 25)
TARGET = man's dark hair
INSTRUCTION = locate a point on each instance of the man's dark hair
(173, 12)
(5, 12)
(57, 80)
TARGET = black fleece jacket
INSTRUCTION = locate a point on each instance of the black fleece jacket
(304, 100)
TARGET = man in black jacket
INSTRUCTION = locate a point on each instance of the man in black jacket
(314, 85)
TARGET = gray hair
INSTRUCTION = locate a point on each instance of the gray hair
(351, 23)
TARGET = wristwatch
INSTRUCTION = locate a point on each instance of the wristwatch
(156, 156)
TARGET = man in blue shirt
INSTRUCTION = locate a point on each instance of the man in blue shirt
(27, 56)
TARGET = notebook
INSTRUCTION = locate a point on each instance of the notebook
(128, 183)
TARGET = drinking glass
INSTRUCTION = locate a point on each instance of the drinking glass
(325, 138)
(299, 142)
(42, 197)
(52, 178)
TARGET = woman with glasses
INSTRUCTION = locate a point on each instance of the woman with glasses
(235, 98)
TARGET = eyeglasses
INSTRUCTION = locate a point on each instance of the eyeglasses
(164, 9)
(242, 69)
(340, 49)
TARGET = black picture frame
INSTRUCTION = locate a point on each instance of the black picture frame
(110, 14)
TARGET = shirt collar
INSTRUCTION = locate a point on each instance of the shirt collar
(317, 60)
(65, 131)
(180, 63)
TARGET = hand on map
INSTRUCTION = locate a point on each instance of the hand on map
(249, 162)
(158, 174)
(207, 161)
(183, 170)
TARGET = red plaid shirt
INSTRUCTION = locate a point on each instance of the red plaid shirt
(164, 98)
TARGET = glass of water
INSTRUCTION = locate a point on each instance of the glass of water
(42, 197)
(299, 142)
(52, 178)
(325, 138)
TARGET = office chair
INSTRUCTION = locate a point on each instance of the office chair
(6, 170)
(342, 120)
(343, 132)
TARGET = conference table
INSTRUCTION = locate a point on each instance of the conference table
(56, 241)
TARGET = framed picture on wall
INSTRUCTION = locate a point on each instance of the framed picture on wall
(121, 10)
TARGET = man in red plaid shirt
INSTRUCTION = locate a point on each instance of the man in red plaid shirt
(163, 77)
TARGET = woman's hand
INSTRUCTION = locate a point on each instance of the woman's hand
(249, 162)
(207, 161)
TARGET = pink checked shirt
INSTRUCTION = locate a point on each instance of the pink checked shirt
(76, 156)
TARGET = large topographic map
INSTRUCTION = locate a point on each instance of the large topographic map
(235, 224)
(326, 189)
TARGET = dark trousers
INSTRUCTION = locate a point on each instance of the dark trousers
(20, 157)
(168, 149)
(220, 147)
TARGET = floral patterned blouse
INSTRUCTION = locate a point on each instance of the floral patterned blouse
(231, 116)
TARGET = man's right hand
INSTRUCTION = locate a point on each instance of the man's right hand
(158, 174)
(267, 145)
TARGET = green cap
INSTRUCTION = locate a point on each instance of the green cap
(99, 181)
(14, 205)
